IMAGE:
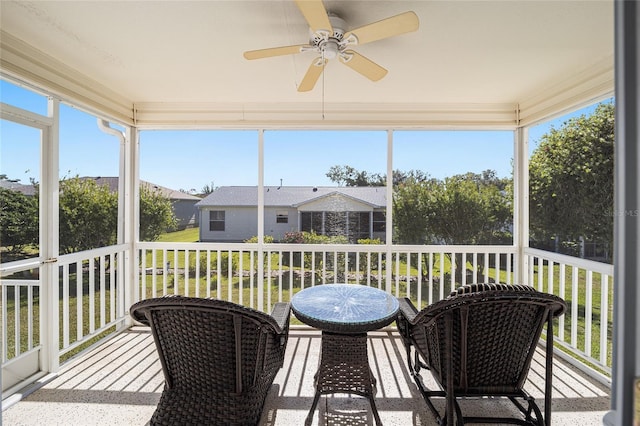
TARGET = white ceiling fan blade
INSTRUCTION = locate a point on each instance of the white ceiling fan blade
(274, 51)
(396, 25)
(315, 14)
(312, 75)
(364, 66)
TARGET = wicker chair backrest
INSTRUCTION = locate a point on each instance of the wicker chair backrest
(210, 345)
(488, 332)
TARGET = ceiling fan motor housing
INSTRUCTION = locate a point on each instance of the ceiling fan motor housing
(329, 43)
(339, 26)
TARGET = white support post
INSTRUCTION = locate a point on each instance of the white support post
(132, 213)
(389, 210)
(122, 188)
(260, 218)
(49, 238)
(521, 203)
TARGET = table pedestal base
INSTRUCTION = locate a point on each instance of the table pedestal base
(344, 368)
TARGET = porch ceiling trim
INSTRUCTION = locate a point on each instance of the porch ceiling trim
(31, 66)
(311, 115)
(591, 85)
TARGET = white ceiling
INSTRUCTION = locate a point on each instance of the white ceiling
(189, 53)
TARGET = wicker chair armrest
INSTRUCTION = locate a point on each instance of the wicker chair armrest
(139, 316)
(407, 310)
(281, 313)
(138, 311)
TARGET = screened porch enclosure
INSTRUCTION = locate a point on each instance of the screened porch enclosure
(501, 69)
(96, 286)
(356, 225)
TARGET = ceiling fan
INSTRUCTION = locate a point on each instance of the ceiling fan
(330, 39)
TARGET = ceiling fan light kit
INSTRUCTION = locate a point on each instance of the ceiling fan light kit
(329, 39)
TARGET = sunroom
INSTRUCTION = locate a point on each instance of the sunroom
(153, 77)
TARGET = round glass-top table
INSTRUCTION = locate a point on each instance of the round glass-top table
(344, 313)
(345, 308)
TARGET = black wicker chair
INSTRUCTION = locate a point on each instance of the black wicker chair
(479, 342)
(219, 359)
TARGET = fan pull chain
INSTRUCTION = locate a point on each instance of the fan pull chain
(323, 73)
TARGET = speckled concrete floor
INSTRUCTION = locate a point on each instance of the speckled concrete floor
(119, 383)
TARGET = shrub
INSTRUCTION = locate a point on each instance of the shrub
(374, 257)
(268, 239)
(293, 238)
(224, 263)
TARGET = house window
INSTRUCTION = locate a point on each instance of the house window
(282, 216)
(216, 220)
(379, 222)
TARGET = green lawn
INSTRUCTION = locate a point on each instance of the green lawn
(189, 235)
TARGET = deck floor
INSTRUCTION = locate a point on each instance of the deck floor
(119, 383)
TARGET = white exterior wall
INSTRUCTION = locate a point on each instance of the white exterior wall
(277, 230)
(241, 224)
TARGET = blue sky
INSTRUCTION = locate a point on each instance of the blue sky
(190, 160)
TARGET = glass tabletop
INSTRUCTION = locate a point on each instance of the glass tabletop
(346, 308)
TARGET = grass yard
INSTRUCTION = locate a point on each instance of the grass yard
(189, 235)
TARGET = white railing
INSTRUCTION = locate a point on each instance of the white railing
(90, 299)
(92, 292)
(245, 274)
(95, 291)
(20, 317)
(425, 274)
(587, 286)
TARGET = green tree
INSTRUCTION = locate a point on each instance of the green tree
(88, 215)
(348, 176)
(462, 209)
(18, 220)
(400, 177)
(472, 209)
(571, 179)
(156, 214)
(207, 189)
(413, 211)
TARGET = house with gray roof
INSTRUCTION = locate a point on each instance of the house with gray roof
(229, 214)
(28, 190)
(183, 204)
